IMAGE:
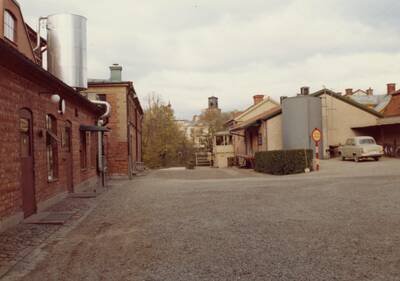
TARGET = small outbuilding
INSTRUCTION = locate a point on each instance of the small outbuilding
(222, 149)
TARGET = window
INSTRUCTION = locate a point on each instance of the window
(67, 137)
(82, 148)
(367, 141)
(51, 147)
(219, 140)
(229, 140)
(9, 26)
(102, 97)
(24, 127)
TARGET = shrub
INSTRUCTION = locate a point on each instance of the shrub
(284, 162)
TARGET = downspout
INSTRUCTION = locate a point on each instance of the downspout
(128, 129)
(102, 122)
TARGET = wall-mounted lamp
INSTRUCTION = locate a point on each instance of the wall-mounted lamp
(55, 98)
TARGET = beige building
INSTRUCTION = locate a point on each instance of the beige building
(340, 115)
(249, 128)
(259, 128)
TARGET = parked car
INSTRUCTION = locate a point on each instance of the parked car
(359, 148)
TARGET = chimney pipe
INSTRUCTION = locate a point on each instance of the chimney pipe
(391, 88)
(370, 92)
(258, 99)
(116, 73)
(349, 92)
(304, 91)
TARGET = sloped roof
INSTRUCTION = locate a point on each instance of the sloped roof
(256, 119)
(346, 100)
(254, 106)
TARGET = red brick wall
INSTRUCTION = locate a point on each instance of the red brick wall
(17, 93)
(393, 108)
(124, 114)
(117, 145)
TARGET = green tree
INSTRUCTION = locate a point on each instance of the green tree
(164, 144)
(215, 120)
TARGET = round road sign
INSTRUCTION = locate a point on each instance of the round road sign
(316, 135)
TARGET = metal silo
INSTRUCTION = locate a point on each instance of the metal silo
(300, 116)
(67, 49)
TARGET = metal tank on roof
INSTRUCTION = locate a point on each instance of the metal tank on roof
(300, 116)
(67, 49)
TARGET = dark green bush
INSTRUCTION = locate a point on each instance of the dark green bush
(283, 162)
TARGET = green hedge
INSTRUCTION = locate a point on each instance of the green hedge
(283, 162)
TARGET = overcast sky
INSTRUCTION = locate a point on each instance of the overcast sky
(188, 50)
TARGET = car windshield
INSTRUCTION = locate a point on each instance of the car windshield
(367, 141)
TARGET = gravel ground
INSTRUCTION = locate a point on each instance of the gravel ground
(220, 224)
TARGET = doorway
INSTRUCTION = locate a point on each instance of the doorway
(26, 156)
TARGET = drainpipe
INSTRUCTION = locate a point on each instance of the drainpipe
(101, 122)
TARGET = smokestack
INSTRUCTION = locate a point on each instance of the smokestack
(349, 92)
(304, 91)
(391, 88)
(370, 92)
(116, 73)
(258, 99)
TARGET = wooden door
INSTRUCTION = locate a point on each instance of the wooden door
(68, 156)
(26, 154)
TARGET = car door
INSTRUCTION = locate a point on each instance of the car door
(346, 151)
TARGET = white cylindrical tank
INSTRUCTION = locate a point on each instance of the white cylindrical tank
(67, 49)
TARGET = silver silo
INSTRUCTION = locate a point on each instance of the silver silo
(67, 49)
(300, 116)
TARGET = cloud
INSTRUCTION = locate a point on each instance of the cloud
(189, 50)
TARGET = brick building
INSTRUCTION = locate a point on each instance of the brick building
(124, 141)
(45, 149)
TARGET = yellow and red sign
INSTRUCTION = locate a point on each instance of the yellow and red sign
(316, 135)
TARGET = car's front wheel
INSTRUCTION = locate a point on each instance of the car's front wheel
(376, 158)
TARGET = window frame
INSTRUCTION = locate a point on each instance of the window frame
(7, 14)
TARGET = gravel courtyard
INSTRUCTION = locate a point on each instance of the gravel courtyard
(227, 224)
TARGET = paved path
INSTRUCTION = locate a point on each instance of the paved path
(211, 224)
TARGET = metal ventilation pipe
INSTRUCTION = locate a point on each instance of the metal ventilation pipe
(101, 122)
(305, 91)
(38, 33)
(107, 105)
